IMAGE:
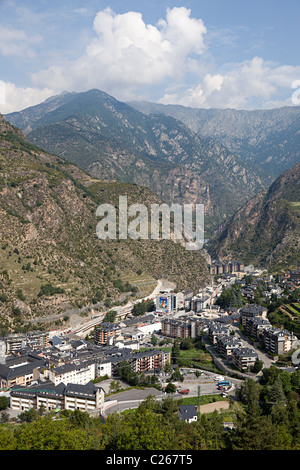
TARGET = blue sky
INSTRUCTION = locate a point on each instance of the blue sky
(216, 53)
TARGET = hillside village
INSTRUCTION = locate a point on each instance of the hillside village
(63, 370)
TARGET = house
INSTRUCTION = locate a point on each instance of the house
(188, 413)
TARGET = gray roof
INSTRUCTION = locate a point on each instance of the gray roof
(49, 389)
(187, 411)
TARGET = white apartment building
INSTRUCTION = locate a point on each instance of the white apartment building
(69, 397)
(73, 373)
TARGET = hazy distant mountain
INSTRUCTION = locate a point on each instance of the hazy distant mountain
(267, 229)
(50, 257)
(112, 140)
(267, 138)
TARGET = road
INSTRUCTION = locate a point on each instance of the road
(132, 398)
(84, 327)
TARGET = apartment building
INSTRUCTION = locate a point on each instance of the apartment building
(104, 331)
(20, 374)
(251, 311)
(76, 373)
(149, 361)
(256, 326)
(216, 330)
(32, 339)
(244, 358)
(218, 267)
(183, 328)
(226, 345)
(86, 397)
(278, 341)
(176, 328)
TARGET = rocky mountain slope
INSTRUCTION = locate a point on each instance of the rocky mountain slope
(109, 139)
(267, 229)
(269, 139)
(50, 257)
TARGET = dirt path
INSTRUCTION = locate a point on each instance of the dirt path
(218, 405)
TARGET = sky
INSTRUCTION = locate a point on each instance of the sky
(199, 53)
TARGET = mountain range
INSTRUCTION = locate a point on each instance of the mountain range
(268, 139)
(51, 259)
(111, 140)
(242, 165)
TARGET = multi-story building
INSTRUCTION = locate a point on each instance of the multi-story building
(190, 327)
(104, 331)
(76, 373)
(149, 361)
(226, 344)
(256, 326)
(215, 330)
(244, 358)
(23, 373)
(176, 328)
(32, 339)
(86, 397)
(169, 302)
(220, 267)
(278, 341)
(251, 311)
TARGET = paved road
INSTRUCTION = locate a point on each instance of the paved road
(133, 398)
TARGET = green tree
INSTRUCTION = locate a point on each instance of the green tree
(248, 393)
(175, 353)
(258, 365)
(186, 343)
(46, 434)
(170, 388)
(154, 340)
(142, 430)
(8, 440)
(3, 403)
(253, 432)
(276, 394)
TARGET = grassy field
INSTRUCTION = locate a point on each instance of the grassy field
(196, 358)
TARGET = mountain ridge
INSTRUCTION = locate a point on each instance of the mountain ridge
(251, 134)
(51, 259)
(110, 139)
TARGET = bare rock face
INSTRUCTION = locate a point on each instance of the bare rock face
(21, 308)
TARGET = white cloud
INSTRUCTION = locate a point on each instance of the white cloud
(15, 42)
(129, 59)
(240, 86)
(126, 53)
(13, 98)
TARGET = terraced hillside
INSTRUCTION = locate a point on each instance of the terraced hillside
(50, 257)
